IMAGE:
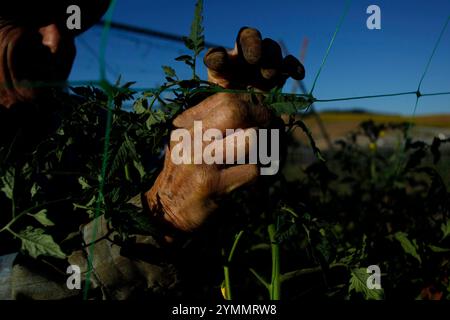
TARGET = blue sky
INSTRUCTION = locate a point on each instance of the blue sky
(362, 61)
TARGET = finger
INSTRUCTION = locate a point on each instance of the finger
(226, 111)
(230, 113)
(249, 45)
(198, 112)
(238, 67)
(271, 59)
(293, 68)
(234, 177)
(276, 77)
(240, 146)
(216, 59)
(237, 148)
(221, 110)
(219, 67)
(238, 111)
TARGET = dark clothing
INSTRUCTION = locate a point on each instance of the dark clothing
(115, 274)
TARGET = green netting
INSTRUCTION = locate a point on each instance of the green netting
(106, 86)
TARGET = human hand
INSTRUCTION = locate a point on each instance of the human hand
(254, 62)
(184, 195)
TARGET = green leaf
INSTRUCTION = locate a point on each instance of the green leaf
(410, 247)
(140, 106)
(88, 206)
(8, 183)
(188, 84)
(349, 257)
(324, 246)
(438, 249)
(197, 39)
(83, 182)
(128, 84)
(445, 227)
(125, 152)
(284, 108)
(119, 78)
(138, 165)
(188, 43)
(155, 118)
(185, 58)
(358, 283)
(289, 107)
(37, 243)
(169, 71)
(41, 216)
(34, 189)
(364, 248)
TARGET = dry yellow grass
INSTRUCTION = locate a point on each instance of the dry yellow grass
(435, 120)
(338, 124)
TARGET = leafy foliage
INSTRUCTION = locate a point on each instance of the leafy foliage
(358, 283)
(37, 243)
(196, 39)
(410, 247)
(8, 183)
(364, 206)
(41, 216)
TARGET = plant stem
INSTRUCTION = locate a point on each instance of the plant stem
(13, 233)
(24, 212)
(233, 248)
(13, 204)
(127, 172)
(290, 211)
(296, 273)
(194, 66)
(275, 284)
(260, 278)
(159, 92)
(6, 227)
(226, 268)
(226, 272)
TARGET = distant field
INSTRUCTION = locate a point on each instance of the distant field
(338, 124)
(436, 120)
